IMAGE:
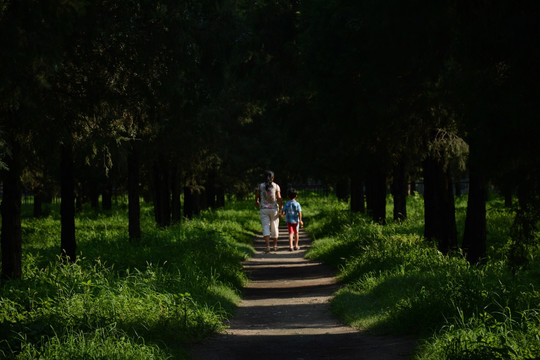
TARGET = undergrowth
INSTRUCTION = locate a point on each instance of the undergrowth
(124, 300)
(395, 282)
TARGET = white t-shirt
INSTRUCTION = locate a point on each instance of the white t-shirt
(268, 198)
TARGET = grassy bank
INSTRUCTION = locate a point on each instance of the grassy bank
(123, 300)
(396, 282)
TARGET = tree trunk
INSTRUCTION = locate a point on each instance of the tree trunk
(156, 196)
(357, 194)
(188, 202)
(11, 237)
(474, 236)
(94, 198)
(199, 202)
(342, 189)
(439, 208)
(413, 189)
(376, 195)
(106, 197)
(508, 203)
(162, 201)
(220, 196)
(457, 186)
(379, 197)
(370, 185)
(399, 192)
(166, 191)
(134, 206)
(176, 206)
(78, 203)
(68, 245)
(38, 204)
(524, 229)
(431, 200)
(211, 190)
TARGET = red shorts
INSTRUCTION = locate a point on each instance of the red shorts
(292, 227)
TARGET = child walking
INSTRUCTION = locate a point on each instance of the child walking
(293, 216)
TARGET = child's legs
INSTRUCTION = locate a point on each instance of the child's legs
(291, 236)
(293, 231)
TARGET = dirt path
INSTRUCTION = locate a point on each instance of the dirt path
(285, 314)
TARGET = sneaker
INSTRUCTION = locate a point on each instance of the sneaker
(267, 249)
(297, 248)
(275, 248)
(290, 249)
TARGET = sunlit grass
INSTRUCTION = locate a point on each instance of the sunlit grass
(396, 282)
(153, 296)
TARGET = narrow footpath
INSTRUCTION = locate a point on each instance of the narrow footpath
(285, 314)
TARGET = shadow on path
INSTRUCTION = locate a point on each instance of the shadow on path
(285, 314)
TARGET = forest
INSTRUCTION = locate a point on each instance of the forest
(166, 109)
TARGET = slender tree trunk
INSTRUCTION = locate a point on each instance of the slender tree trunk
(188, 202)
(457, 186)
(413, 189)
(431, 200)
(508, 203)
(370, 186)
(342, 189)
(166, 191)
(134, 206)
(176, 206)
(474, 236)
(78, 202)
(379, 197)
(163, 192)
(156, 196)
(94, 201)
(68, 245)
(162, 201)
(93, 195)
(199, 202)
(106, 197)
(211, 190)
(450, 213)
(399, 192)
(525, 223)
(47, 202)
(11, 237)
(38, 204)
(220, 196)
(376, 194)
(357, 194)
(439, 208)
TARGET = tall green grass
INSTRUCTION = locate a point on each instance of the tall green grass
(396, 282)
(122, 300)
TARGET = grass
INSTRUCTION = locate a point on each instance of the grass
(152, 298)
(397, 283)
(122, 300)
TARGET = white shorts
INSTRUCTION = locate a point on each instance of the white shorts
(270, 222)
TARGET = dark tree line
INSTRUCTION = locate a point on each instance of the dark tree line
(432, 90)
(162, 98)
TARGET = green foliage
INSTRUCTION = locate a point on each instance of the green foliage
(396, 282)
(105, 343)
(502, 335)
(174, 286)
